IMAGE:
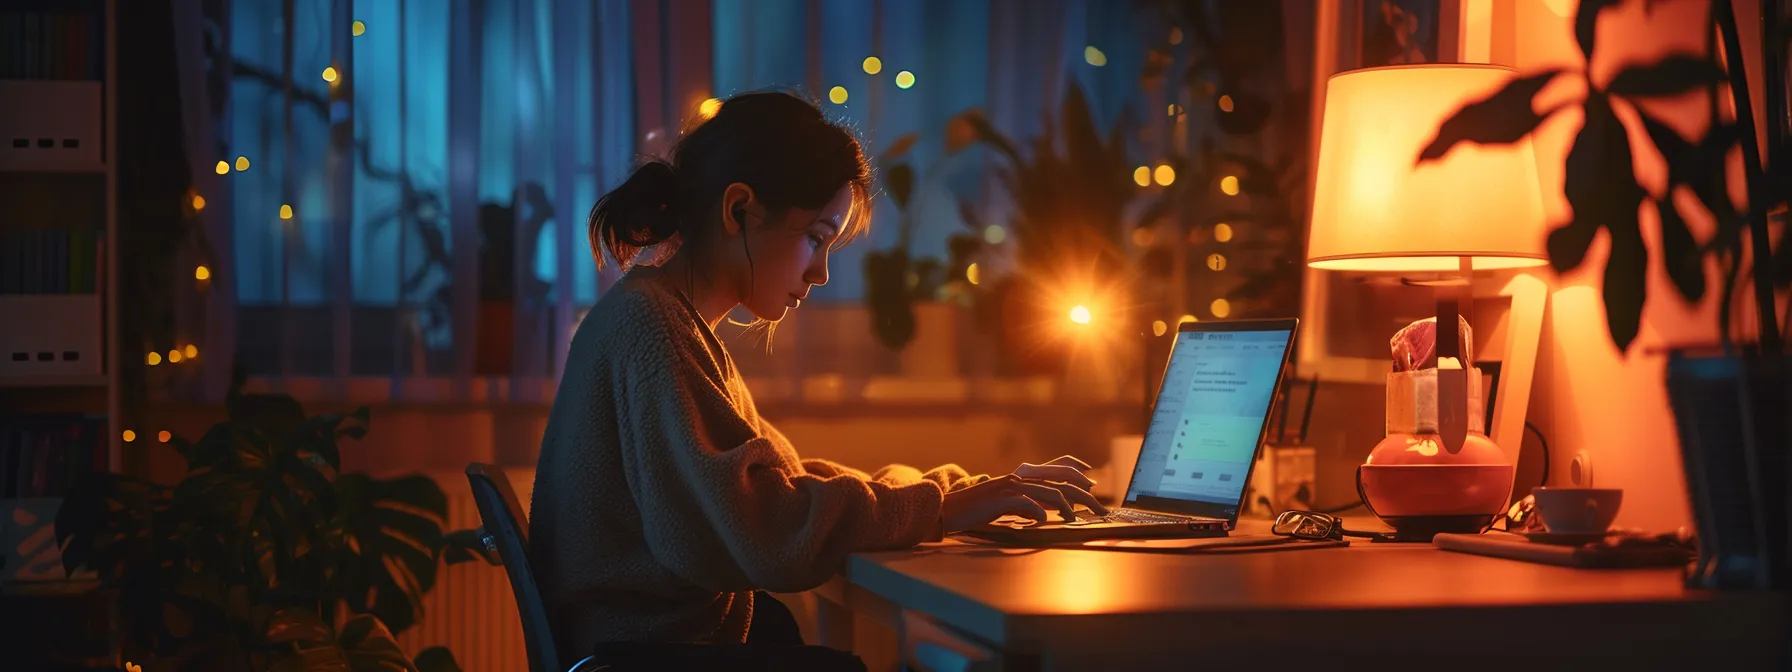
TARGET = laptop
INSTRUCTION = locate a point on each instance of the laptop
(1207, 424)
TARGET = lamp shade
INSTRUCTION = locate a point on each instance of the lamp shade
(1377, 208)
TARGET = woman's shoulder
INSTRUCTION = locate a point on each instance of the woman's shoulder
(641, 312)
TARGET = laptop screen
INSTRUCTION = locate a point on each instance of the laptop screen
(1210, 416)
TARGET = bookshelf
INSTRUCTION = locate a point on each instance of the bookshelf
(59, 349)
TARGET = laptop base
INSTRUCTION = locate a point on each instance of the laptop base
(1051, 534)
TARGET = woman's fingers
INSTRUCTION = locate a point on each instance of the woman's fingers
(1046, 495)
(1069, 461)
(1019, 505)
(1054, 472)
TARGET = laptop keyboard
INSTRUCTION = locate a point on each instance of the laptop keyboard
(1131, 516)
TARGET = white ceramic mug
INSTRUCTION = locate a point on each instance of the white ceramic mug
(1577, 510)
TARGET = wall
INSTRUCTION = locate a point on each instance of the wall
(1589, 398)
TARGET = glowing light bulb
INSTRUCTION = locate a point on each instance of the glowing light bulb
(1222, 232)
(358, 29)
(198, 202)
(153, 358)
(1142, 176)
(192, 351)
(163, 436)
(709, 108)
(1216, 261)
(174, 356)
(973, 274)
(1225, 103)
(129, 436)
(994, 234)
(905, 79)
(1165, 175)
(330, 74)
(202, 273)
(1094, 57)
(223, 167)
(1158, 328)
(286, 212)
(242, 163)
(873, 65)
(1185, 319)
(1080, 315)
(1229, 184)
(837, 95)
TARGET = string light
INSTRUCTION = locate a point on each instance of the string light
(330, 74)
(1094, 56)
(174, 356)
(223, 167)
(192, 351)
(1216, 261)
(358, 28)
(129, 436)
(1229, 184)
(242, 163)
(163, 436)
(995, 234)
(1165, 175)
(709, 108)
(198, 202)
(873, 65)
(1220, 308)
(1222, 232)
(153, 358)
(286, 212)
(1142, 176)
(1158, 328)
(1225, 103)
(1187, 319)
(202, 273)
(1175, 109)
(973, 274)
(905, 79)
(837, 95)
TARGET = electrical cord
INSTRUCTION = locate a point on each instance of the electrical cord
(1533, 429)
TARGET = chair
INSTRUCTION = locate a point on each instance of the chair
(505, 531)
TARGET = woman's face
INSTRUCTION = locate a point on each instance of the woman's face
(789, 253)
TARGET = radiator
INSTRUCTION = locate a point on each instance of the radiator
(472, 611)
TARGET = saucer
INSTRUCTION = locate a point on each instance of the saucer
(1565, 538)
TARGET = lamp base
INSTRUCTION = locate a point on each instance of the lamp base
(1422, 528)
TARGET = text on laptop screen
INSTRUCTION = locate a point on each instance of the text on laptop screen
(1209, 416)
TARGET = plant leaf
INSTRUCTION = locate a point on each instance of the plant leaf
(397, 528)
(1701, 167)
(1599, 184)
(1501, 118)
(901, 180)
(1680, 254)
(436, 659)
(1673, 75)
(301, 626)
(370, 647)
(1586, 24)
(1626, 282)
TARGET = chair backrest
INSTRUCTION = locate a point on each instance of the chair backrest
(507, 530)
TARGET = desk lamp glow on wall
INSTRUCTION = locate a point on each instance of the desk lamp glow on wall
(1459, 225)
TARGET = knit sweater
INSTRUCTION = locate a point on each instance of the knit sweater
(662, 499)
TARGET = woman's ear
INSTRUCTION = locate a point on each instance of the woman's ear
(734, 207)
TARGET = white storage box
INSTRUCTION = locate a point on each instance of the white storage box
(51, 125)
(50, 334)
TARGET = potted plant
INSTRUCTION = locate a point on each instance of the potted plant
(262, 557)
(1731, 399)
(1070, 196)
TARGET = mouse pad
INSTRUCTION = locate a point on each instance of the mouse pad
(1238, 544)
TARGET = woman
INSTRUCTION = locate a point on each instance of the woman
(662, 500)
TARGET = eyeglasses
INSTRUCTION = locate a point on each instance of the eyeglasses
(1314, 525)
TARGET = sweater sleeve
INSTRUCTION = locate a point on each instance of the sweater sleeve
(730, 509)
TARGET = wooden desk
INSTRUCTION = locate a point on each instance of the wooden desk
(1390, 606)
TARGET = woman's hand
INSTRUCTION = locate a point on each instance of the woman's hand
(1066, 469)
(1013, 495)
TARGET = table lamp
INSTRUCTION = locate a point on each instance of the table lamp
(1378, 210)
